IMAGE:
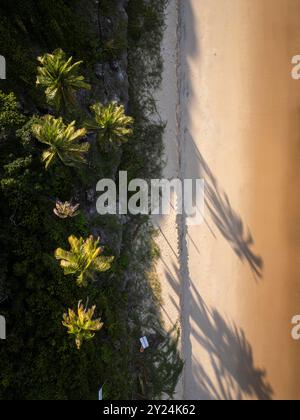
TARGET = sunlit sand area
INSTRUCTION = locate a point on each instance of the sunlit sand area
(233, 112)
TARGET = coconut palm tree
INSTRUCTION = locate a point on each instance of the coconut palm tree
(65, 210)
(81, 324)
(111, 124)
(83, 260)
(59, 75)
(63, 141)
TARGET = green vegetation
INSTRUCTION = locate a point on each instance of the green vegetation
(10, 117)
(113, 127)
(59, 75)
(31, 28)
(81, 324)
(63, 141)
(83, 260)
(38, 360)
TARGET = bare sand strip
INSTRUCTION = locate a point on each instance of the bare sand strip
(168, 100)
(233, 119)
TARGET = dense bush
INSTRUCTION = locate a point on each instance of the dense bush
(30, 27)
(38, 359)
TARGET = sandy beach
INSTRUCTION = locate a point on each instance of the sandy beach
(232, 112)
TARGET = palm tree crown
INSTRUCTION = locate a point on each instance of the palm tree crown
(81, 324)
(59, 75)
(84, 259)
(111, 123)
(64, 141)
(65, 210)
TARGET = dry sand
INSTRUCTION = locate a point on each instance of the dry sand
(233, 118)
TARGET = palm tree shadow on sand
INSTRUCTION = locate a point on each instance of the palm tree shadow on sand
(230, 372)
(230, 355)
(227, 220)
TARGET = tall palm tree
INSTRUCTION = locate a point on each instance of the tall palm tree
(63, 141)
(81, 324)
(59, 75)
(111, 124)
(83, 260)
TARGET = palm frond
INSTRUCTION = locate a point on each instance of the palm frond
(84, 259)
(81, 324)
(59, 76)
(111, 124)
(63, 141)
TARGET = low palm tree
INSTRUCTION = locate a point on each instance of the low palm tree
(63, 141)
(59, 75)
(84, 259)
(66, 210)
(81, 324)
(111, 124)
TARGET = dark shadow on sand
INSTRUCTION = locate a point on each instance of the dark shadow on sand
(227, 220)
(233, 374)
